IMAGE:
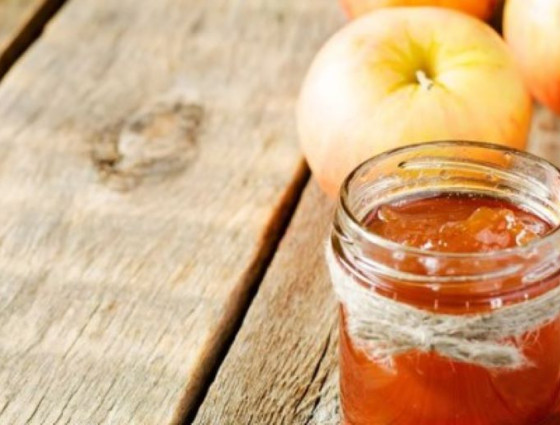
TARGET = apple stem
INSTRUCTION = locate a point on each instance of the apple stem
(424, 81)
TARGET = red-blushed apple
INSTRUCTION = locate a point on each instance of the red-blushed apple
(400, 76)
(532, 29)
(482, 9)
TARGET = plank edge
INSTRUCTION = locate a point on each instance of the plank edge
(240, 301)
(27, 33)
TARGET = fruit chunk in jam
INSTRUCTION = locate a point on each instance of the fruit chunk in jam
(457, 224)
(424, 388)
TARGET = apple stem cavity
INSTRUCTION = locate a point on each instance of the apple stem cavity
(424, 81)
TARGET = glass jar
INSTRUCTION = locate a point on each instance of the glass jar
(500, 364)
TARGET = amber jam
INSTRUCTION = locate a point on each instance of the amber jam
(458, 229)
(457, 223)
(457, 393)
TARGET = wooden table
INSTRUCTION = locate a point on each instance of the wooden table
(160, 239)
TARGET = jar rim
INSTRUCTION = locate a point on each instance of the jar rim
(378, 240)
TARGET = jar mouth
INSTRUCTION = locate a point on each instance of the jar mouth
(357, 225)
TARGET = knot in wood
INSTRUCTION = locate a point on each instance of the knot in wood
(158, 141)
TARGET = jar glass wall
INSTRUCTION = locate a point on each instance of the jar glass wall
(439, 377)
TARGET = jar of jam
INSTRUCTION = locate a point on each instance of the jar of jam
(445, 257)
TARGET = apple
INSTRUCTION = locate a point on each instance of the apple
(400, 76)
(532, 29)
(482, 9)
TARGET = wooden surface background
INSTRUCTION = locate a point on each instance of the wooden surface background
(147, 173)
(149, 169)
(283, 359)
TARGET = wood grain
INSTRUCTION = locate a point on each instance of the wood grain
(544, 139)
(282, 367)
(148, 161)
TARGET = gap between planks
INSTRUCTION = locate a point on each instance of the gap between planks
(27, 31)
(281, 368)
(255, 274)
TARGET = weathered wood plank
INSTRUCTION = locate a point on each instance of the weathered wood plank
(20, 23)
(282, 367)
(283, 358)
(148, 161)
(544, 139)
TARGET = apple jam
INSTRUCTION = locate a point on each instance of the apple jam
(445, 258)
(456, 223)
(424, 388)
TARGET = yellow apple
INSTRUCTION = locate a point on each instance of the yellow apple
(400, 76)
